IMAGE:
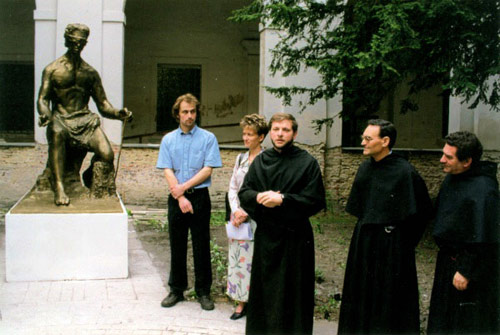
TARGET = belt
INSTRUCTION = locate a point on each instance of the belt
(389, 229)
(193, 190)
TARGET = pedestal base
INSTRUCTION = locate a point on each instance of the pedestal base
(62, 246)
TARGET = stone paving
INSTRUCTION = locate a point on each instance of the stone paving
(114, 306)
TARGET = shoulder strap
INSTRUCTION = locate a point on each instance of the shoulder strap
(240, 157)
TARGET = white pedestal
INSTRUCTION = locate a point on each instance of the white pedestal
(66, 246)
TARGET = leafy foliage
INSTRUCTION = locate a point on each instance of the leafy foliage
(218, 218)
(363, 49)
(218, 258)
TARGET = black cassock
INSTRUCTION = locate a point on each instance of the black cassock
(281, 297)
(380, 293)
(467, 233)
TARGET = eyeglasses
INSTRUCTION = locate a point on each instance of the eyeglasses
(366, 138)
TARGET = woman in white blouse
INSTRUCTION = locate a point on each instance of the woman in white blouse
(240, 251)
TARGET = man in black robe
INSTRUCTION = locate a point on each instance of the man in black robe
(466, 291)
(282, 189)
(391, 202)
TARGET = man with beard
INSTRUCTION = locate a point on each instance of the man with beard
(466, 291)
(391, 202)
(282, 189)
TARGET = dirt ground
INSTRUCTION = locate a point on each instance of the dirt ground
(333, 231)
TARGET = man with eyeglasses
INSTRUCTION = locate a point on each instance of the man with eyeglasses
(391, 202)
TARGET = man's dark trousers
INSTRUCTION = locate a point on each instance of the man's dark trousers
(178, 226)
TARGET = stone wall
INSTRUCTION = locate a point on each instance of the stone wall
(341, 169)
(139, 182)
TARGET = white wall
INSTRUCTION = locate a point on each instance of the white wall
(269, 104)
(482, 121)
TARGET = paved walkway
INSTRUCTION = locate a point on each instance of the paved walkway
(118, 306)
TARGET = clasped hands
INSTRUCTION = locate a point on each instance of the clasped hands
(270, 199)
(239, 217)
(177, 192)
(460, 282)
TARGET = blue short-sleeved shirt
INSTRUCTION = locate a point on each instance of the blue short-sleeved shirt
(186, 154)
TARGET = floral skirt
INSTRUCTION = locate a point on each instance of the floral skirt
(239, 268)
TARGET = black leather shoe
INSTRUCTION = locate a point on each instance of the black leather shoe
(239, 315)
(171, 299)
(206, 302)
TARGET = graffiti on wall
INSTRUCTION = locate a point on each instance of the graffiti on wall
(225, 108)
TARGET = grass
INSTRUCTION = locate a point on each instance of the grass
(158, 225)
(330, 309)
(319, 276)
(152, 224)
(218, 218)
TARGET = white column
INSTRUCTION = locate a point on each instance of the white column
(460, 117)
(334, 133)
(269, 104)
(45, 17)
(482, 121)
(88, 12)
(113, 50)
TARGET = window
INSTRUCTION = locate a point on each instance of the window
(17, 101)
(173, 81)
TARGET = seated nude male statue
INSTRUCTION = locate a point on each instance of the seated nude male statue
(72, 129)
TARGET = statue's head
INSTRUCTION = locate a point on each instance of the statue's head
(75, 36)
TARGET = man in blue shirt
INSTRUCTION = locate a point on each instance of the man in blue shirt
(187, 156)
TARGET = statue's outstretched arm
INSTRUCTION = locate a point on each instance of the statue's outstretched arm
(104, 106)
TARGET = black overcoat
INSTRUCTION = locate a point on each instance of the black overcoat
(281, 297)
(467, 233)
(380, 292)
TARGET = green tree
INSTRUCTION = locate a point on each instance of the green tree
(363, 49)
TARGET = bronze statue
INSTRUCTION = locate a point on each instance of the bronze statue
(72, 129)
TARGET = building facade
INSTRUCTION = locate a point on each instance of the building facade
(148, 52)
